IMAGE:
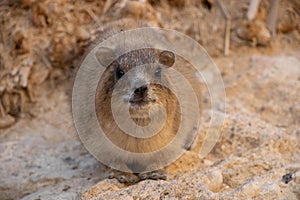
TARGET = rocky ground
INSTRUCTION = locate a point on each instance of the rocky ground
(257, 156)
(43, 158)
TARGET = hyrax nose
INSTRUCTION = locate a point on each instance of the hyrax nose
(141, 90)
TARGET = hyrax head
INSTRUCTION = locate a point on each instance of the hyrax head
(138, 76)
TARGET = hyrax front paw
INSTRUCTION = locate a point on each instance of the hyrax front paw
(124, 177)
(155, 175)
(130, 178)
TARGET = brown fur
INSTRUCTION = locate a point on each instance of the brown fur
(165, 98)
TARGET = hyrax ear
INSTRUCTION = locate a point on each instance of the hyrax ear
(166, 58)
(105, 56)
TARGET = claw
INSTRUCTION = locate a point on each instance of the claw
(154, 176)
(163, 177)
(134, 178)
(122, 179)
(111, 175)
(143, 176)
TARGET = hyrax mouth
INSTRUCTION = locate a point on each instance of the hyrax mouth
(141, 98)
(140, 104)
(139, 113)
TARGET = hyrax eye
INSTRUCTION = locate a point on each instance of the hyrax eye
(119, 73)
(158, 72)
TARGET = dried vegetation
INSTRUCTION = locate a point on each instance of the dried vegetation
(41, 40)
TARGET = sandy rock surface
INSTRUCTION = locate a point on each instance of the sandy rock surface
(43, 158)
(258, 154)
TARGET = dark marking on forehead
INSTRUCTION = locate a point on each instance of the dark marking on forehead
(137, 57)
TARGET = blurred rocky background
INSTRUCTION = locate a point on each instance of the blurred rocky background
(256, 45)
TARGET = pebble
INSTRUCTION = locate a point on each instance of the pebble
(215, 180)
(250, 189)
(82, 33)
(269, 191)
(6, 121)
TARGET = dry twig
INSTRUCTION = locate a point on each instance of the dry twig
(253, 8)
(273, 17)
(108, 4)
(228, 27)
(43, 57)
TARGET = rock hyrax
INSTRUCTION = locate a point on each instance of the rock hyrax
(139, 99)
